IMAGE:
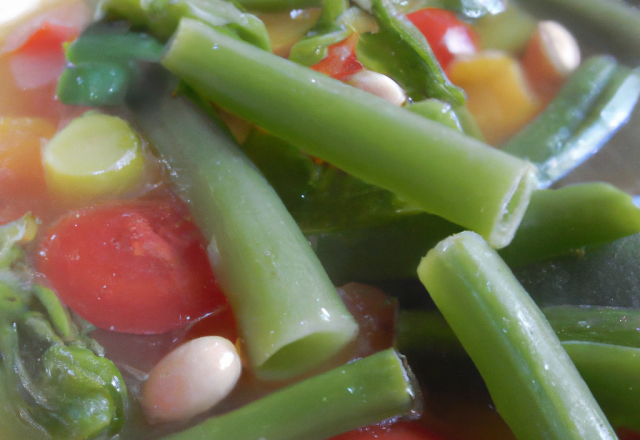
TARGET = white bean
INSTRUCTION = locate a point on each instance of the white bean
(379, 85)
(191, 379)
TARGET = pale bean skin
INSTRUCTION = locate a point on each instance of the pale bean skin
(379, 85)
(191, 379)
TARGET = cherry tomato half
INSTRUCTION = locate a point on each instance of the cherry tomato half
(135, 267)
(446, 35)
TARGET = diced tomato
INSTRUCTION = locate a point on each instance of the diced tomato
(341, 60)
(131, 266)
(40, 60)
(392, 431)
(446, 35)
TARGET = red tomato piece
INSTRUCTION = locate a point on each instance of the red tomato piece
(40, 60)
(446, 35)
(135, 267)
(392, 431)
(341, 60)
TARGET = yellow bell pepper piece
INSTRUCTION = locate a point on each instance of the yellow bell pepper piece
(287, 28)
(498, 95)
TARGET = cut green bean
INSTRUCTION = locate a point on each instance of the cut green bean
(612, 374)
(545, 137)
(612, 110)
(533, 383)
(605, 325)
(426, 164)
(360, 393)
(610, 370)
(560, 221)
(278, 5)
(290, 316)
(161, 17)
(557, 222)
(94, 84)
(604, 275)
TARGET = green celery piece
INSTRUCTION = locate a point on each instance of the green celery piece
(612, 374)
(542, 140)
(424, 163)
(290, 316)
(563, 220)
(360, 393)
(320, 197)
(161, 17)
(508, 31)
(557, 222)
(612, 110)
(534, 385)
(604, 275)
(438, 111)
(112, 41)
(94, 84)
(612, 24)
(399, 50)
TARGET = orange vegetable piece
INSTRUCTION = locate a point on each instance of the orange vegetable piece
(498, 94)
(21, 172)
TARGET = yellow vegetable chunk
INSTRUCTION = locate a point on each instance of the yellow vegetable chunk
(498, 94)
(94, 156)
(287, 28)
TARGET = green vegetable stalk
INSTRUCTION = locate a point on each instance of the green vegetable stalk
(557, 222)
(597, 99)
(533, 383)
(424, 163)
(290, 316)
(360, 393)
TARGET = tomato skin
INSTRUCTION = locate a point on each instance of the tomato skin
(134, 267)
(413, 430)
(446, 35)
(341, 60)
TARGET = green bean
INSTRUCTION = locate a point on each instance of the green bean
(606, 325)
(532, 381)
(161, 17)
(557, 222)
(603, 275)
(560, 221)
(612, 374)
(545, 137)
(290, 316)
(278, 5)
(357, 394)
(424, 163)
(58, 313)
(609, 369)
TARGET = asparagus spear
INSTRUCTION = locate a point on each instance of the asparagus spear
(425, 163)
(533, 383)
(360, 393)
(290, 316)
